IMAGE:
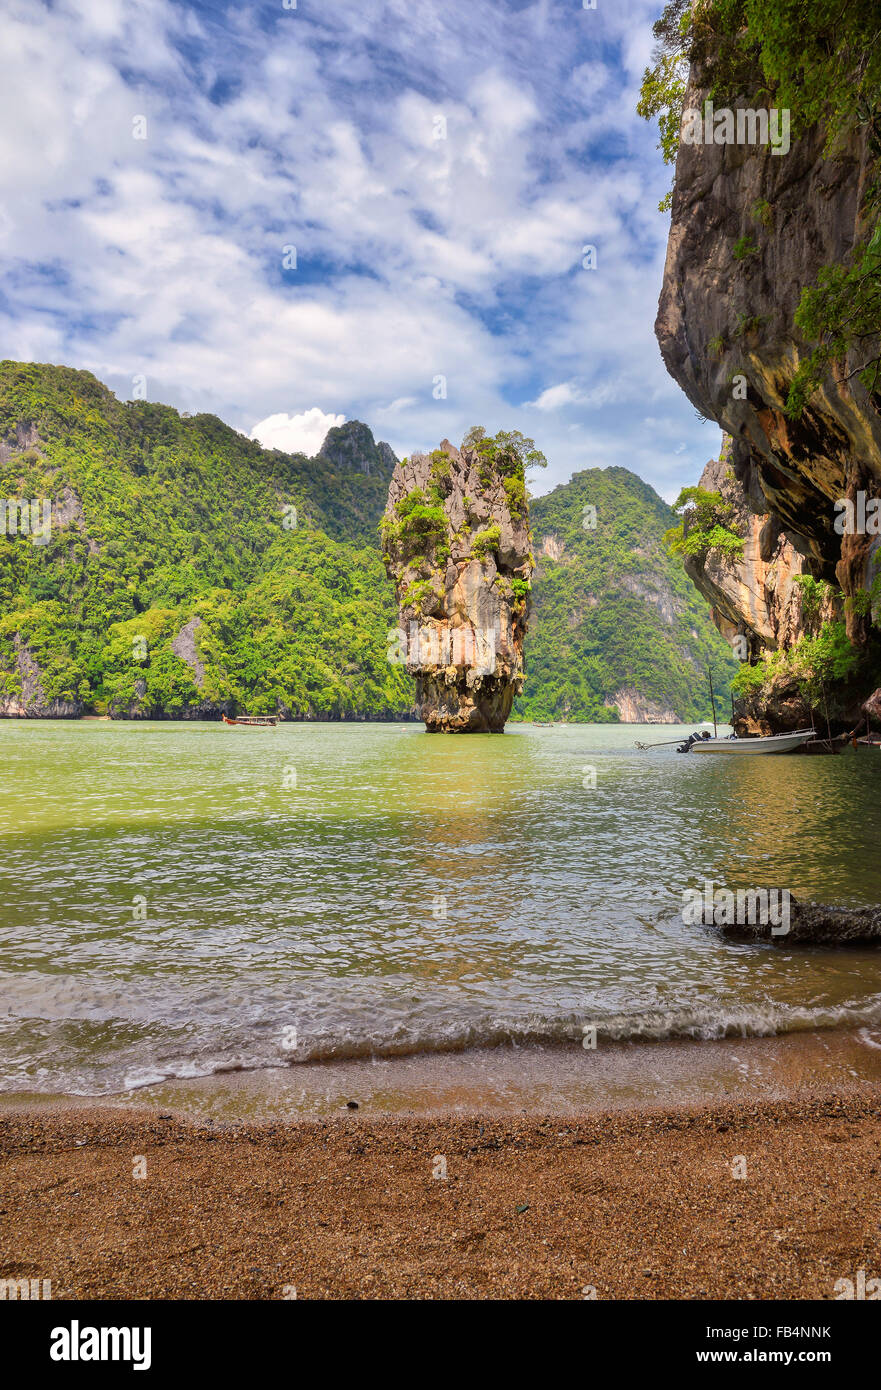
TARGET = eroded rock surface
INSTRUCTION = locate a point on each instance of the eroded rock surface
(753, 596)
(31, 701)
(727, 335)
(456, 543)
(635, 708)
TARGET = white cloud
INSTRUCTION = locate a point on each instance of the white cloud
(555, 396)
(417, 257)
(296, 434)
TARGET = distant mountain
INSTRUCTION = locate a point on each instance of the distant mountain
(187, 570)
(617, 630)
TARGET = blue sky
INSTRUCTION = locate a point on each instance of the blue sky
(438, 166)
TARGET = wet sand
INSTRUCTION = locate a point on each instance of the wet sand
(537, 1080)
(632, 1204)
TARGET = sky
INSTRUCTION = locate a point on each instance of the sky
(298, 212)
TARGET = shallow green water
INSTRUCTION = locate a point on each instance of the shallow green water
(408, 893)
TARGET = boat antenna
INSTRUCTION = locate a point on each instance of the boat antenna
(712, 699)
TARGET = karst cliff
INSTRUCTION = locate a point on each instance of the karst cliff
(456, 543)
(750, 230)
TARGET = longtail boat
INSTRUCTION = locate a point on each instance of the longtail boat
(252, 721)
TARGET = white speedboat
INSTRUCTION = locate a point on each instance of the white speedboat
(774, 743)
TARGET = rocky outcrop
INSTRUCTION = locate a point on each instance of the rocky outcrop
(352, 446)
(456, 543)
(776, 708)
(23, 435)
(68, 511)
(636, 708)
(815, 924)
(753, 597)
(31, 702)
(12, 708)
(185, 648)
(872, 707)
(749, 231)
(552, 548)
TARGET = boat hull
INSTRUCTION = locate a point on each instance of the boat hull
(751, 747)
(257, 722)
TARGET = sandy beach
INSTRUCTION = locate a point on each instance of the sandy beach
(631, 1204)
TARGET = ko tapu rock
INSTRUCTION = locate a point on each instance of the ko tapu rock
(457, 545)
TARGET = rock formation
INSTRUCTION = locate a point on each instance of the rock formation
(352, 446)
(756, 603)
(752, 596)
(456, 543)
(635, 708)
(872, 707)
(31, 702)
(749, 231)
(815, 924)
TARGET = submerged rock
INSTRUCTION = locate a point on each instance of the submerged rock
(456, 543)
(816, 924)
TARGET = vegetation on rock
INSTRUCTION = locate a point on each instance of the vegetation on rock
(702, 529)
(822, 63)
(456, 541)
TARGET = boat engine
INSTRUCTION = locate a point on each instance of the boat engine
(692, 738)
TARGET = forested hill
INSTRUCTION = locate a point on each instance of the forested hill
(187, 569)
(186, 566)
(615, 624)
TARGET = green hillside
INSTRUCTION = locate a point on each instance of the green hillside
(163, 524)
(611, 610)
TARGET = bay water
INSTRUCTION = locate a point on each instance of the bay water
(188, 900)
(185, 900)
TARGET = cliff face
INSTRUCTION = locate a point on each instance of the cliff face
(31, 702)
(634, 708)
(753, 597)
(352, 446)
(726, 330)
(456, 543)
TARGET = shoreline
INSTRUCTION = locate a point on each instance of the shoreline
(507, 1079)
(751, 1199)
(26, 718)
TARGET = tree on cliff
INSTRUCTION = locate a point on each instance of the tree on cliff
(703, 526)
(509, 449)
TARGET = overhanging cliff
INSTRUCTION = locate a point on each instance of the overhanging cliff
(750, 230)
